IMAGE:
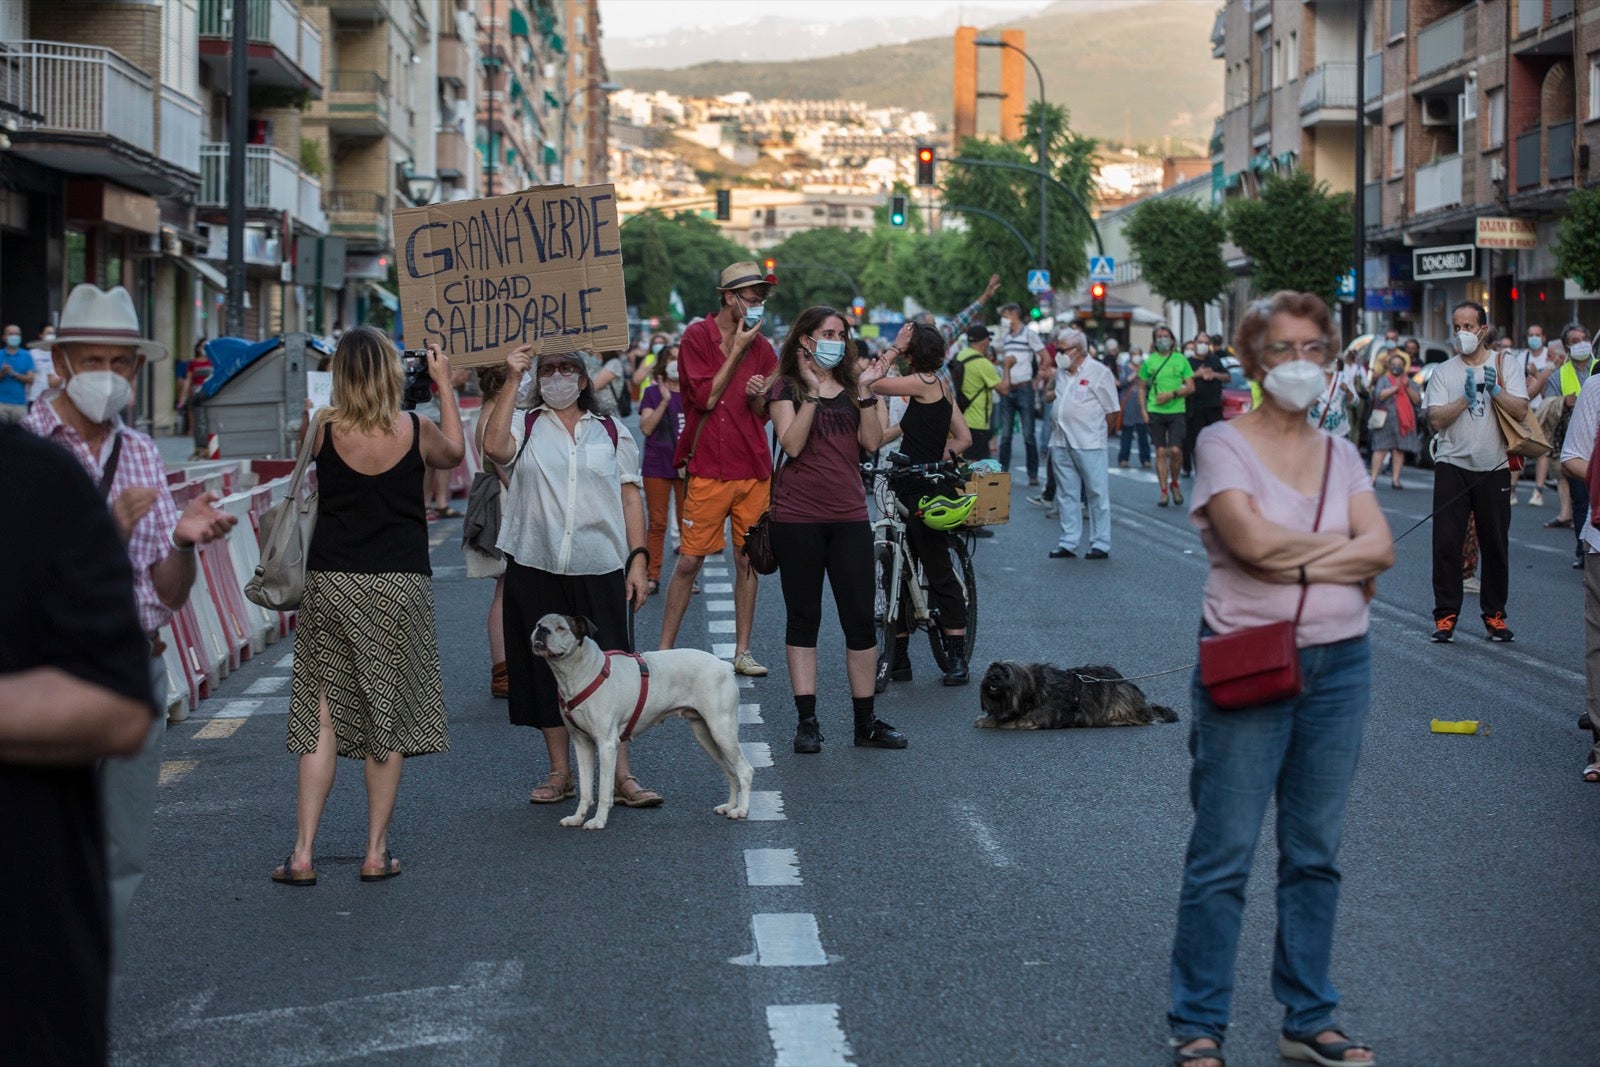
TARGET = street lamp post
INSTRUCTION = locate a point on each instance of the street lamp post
(1044, 141)
(603, 86)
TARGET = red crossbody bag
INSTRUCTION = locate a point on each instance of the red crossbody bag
(1260, 665)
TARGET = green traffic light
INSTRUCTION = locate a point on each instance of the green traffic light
(897, 219)
(1036, 313)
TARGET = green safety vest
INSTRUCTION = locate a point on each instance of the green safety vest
(1570, 382)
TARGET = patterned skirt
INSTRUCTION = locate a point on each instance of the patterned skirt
(368, 642)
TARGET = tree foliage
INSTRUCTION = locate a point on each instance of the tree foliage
(1578, 239)
(1178, 245)
(1014, 196)
(696, 254)
(809, 269)
(1300, 235)
(655, 276)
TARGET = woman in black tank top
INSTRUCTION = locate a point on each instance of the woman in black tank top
(931, 430)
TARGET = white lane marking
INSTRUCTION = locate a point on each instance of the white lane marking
(286, 663)
(808, 1035)
(719, 605)
(239, 709)
(266, 686)
(744, 680)
(721, 626)
(218, 729)
(714, 572)
(450, 572)
(750, 715)
(980, 830)
(725, 651)
(1133, 475)
(771, 866)
(457, 1023)
(785, 939)
(718, 587)
(759, 753)
(766, 805)
(174, 770)
(435, 542)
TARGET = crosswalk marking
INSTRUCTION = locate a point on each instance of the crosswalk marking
(750, 715)
(173, 771)
(218, 729)
(759, 753)
(766, 806)
(785, 939)
(266, 685)
(771, 866)
(808, 1035)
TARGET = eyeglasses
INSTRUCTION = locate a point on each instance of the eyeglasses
(549, 370)
(1314, 349)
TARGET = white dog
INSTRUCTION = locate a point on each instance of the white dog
(608, 697)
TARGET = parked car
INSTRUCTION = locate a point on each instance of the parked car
(1237, 397)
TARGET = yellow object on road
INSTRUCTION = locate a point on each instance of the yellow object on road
(1465, 726)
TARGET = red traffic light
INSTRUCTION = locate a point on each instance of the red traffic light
(924, 155)
(770, 264)
(925, 176)
(1098, 291)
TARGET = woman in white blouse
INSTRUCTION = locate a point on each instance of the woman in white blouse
(572, 519)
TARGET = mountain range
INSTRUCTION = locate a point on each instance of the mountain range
(1127, 72)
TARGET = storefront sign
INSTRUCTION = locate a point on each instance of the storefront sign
(1388, 300)
(1445, 261)
(544, 266)
(1507, 233)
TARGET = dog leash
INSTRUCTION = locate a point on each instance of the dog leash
(1133, 678)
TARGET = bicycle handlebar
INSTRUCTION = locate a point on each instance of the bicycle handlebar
(913, 470)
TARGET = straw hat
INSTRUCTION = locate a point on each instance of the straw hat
(103, 317)
(743, 275)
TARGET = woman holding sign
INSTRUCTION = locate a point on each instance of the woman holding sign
(572, 530)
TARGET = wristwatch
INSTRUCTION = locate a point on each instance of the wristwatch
(173, 538)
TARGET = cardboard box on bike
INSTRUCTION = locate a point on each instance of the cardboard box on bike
(994, 499)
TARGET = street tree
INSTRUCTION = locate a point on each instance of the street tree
(696, 250)
(1178, 245)
(1014, 196)
(1578, 239)
(655, 278)
(812, 269)
(1299, 234)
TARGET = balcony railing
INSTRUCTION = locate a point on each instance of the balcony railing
(1331, 85)
(271, 179)
(180, 129)
(1373, 89)
(1437, 185)
(1261, 114)
(1558, 152)
(80, 89)
(1372, 205)
(1443, 42)
(274, 22)
(354, 202)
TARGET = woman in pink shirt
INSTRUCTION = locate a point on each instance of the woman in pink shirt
(1255, 504)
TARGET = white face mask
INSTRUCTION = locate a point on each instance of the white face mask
(1466, 342)
(1295, 384)
(672, 370)
(560, 390)
(1581, 351)
(1202, 349)
(99, 394)
(1063, 361)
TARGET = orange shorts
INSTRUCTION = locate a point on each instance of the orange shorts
(711, 503)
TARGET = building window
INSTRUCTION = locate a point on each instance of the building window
(1495, 128)
(1397, 18)
(1264, 60)
(1397, 150)
(1594, 86)
(1292, 56)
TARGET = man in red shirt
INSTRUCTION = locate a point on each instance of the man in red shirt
(723, 367)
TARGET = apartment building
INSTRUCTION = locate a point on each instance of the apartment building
(519, 110)
(585, 115)
(1479, 117)
(456, 163)
(100, 162)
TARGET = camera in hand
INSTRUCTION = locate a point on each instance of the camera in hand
(418, 387)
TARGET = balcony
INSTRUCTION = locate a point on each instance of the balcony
(453, 157)
(285, 48)
(1373, 89)
(1330, 87)
(360, 216)
(1261, 114)
(272, 182)
(1372, 205)
(181, 117)
(1219, 34)
(357, 104)
(358, 12)
(1443, 42)
(455, 60)
(1437, 185)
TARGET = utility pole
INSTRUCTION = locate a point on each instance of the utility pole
(238, 135)
(1361, 167)
(490, 165)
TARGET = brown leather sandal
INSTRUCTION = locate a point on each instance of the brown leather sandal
(549, 793)
(638, 797)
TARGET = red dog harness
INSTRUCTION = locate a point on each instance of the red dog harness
(605, 672)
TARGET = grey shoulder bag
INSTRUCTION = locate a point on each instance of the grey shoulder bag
(279, 583)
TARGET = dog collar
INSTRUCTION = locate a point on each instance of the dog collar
(599, 680)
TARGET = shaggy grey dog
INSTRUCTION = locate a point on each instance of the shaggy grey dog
(1037, 696)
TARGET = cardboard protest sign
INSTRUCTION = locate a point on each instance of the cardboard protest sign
(480, 277)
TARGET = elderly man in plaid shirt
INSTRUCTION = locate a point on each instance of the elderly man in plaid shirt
(99, 352)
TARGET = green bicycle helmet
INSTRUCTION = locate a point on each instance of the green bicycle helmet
(945, 512)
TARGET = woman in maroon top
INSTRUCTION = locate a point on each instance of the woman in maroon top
(824, 413)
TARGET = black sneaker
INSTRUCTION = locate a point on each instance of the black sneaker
(1444, 630)
(1098, 553)
(880, 735)
(1498, 630)
(808, 738)
(1063, 553)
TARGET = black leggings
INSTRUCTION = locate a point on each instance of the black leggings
(843, 550)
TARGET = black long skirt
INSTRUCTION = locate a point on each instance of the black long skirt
(531, 594)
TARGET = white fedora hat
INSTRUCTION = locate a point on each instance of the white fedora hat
(103, 317)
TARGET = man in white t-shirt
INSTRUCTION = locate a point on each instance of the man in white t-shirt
(1576, 455)
(1470, 478)
(1019, 349)
(1084, 393)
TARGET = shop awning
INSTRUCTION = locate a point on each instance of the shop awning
(519, 24)
(550, 99)
(385, 297)
(212, 275)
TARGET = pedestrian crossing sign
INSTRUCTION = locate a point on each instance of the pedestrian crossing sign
(1102, 269)
(1038, 281)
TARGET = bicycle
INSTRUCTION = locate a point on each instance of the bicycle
(901, 598)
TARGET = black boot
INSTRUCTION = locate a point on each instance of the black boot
(808, 737)
(871, 731)
(955, 650)
(900, 666)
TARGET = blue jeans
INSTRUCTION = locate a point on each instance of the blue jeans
(1017, 402)
(1081, 476)
(1129, 432)
(1304, 752)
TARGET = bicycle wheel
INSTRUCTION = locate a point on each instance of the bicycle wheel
(961, 563)
(886, 615)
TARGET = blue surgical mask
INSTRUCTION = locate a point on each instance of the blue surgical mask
(1535, 343)
(13, 340)
(828, 354)
(752, 314)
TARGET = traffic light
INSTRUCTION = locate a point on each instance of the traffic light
(858, 306)
(897, 210)
(724, 205)
(925, 159)
(1097, 300)
(770, 265)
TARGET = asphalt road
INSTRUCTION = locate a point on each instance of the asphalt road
(980, 898)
